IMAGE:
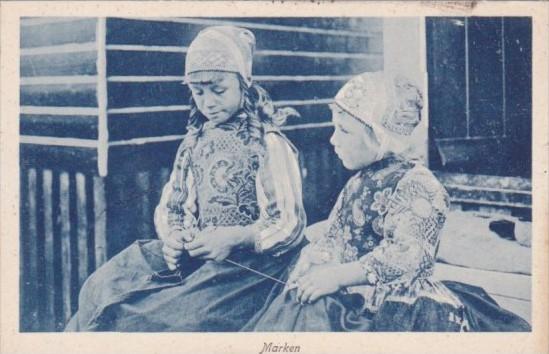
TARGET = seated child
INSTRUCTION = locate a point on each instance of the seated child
(372, 269)
(233, 203)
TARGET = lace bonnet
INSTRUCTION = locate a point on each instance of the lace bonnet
(390, 104)
(221, 48)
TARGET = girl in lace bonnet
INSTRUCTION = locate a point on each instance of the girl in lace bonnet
(391, 107)
(232, 203)
(370, 266)
(221, 50)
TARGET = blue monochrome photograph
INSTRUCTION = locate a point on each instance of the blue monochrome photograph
(288, 174)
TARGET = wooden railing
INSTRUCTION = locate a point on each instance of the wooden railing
(62, 240)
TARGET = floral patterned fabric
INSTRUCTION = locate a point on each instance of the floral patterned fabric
(388, 217)
(230, 178)
(356, 221)
(225, 167)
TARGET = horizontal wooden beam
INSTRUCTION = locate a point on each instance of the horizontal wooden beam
(59, 111)
(257, 78)
(264, 26)
(57, 141)
(84, 127)
(44, 32)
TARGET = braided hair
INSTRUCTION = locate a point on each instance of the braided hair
(257, 106)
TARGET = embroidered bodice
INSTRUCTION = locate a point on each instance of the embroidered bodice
(357, 219)
(228, 178)
(388, 217)
(225, 164)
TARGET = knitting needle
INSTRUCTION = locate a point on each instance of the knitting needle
(254, 271)
(244, 267)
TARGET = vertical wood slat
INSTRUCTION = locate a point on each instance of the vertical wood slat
(50, 252)
(32, 259)
(57, 244)
(467, 80)
(447, 77)
(485, 67)
(40, 259)
(73, 231)
(120, 208)
(82, 228)
(24, 283)
(90, 217)
(102, 98)
(66, 265)
(100, 218)
(503, 71)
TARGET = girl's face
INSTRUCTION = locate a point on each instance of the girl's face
(217, 96)
(354, 142)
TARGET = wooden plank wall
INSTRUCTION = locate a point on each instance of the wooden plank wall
(489, 194)
(62, 235)
(301, 62)
(481, 116)
(58, 95)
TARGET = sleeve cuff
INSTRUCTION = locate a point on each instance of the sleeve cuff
(369, 272)
(258, 247)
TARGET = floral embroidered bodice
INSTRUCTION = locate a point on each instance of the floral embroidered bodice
(229, 174)
(388, 217)
(225, 165)
(355, 225)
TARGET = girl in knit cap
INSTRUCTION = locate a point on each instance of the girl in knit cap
(230, 216)
(371, 269)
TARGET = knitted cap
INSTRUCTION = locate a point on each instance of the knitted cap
(222, 48)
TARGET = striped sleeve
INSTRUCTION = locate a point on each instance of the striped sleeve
(282, 216)
(177, 205)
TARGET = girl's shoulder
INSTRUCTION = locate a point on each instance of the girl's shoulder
(273, 134)
(183, 148)
(421, 175)
(422, 183)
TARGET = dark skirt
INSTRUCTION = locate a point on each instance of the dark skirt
(334, 313)
(342, 312)
(480, 312)
(135, 292)
(282, 313)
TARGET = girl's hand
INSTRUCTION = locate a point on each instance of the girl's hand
(303, 265)
(319, 281)
(310, 255)
(217, 243)
(171, 256)
(173, 247)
